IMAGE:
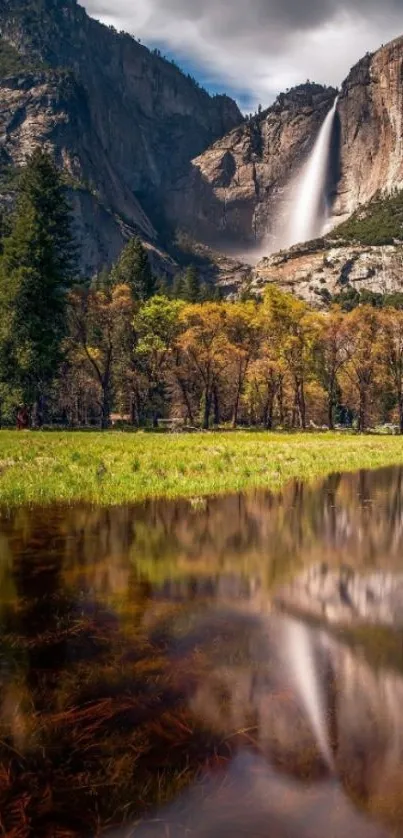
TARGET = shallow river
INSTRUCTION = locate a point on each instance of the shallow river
(230, 668)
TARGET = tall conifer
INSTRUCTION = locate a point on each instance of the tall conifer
(36, 271)
(133, 269)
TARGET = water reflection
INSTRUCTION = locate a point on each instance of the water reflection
(150, 685)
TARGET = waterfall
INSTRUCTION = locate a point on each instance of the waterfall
(309, 215)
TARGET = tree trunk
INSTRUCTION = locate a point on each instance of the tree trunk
(37, 413)
(236, 410)
(23, 418)
(362, 412)
(216, 402)
(207, 409)
(186, 400)
(302, 406)
(105, 409)
(280, 400)
(268, 412)
(294, 413)
(133, 411)
(331, 411)
(401, 413)
(237, 401)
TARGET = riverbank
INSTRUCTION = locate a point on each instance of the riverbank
(115, 468)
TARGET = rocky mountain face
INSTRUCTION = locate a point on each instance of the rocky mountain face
(371, 129)
(146, 150)
(236, 192)
(122, 121)
(239, 190)
(320, 270)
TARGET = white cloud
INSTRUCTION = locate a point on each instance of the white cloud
(264, 46)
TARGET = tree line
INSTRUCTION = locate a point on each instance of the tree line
(126, 345)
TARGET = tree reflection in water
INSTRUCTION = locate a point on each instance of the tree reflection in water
(142, 667)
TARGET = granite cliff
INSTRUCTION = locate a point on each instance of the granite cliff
(236, 192)
(121, 121)
(371, 129)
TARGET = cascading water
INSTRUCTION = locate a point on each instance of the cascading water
(309, 215)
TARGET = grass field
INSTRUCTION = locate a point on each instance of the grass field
(113, 468)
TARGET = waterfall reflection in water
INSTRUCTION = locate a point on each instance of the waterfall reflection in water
(145, 685)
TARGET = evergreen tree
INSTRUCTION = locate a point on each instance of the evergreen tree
(191, 285)
(178, 288)
(218, 295)
(36, 271)
(102, 281)
(133, 269)
(205, 294)
(162, 287)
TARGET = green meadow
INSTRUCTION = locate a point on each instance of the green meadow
(115, 468)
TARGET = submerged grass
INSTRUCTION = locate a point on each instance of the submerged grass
(88, 743)
(114, 468)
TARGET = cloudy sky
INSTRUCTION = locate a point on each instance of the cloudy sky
(253, 49)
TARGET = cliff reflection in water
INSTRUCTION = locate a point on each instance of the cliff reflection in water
(147, 678)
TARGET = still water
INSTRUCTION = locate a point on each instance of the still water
(227, 668)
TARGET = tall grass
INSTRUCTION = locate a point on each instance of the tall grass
(115, 468)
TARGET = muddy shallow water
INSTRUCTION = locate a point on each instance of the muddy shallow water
(217, 668)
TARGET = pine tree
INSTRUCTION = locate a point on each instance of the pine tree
(36, 271)
(102, 281)
(178, 288)
(133, 269)
(162, 287)
(205, 294)
(218, 294)
(191, 283)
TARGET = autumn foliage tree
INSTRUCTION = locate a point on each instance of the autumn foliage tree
(332, 353)
(99, 318)
(206, 348)
(243, 333)
(292, 330)
(391, 350)
(363, 367)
